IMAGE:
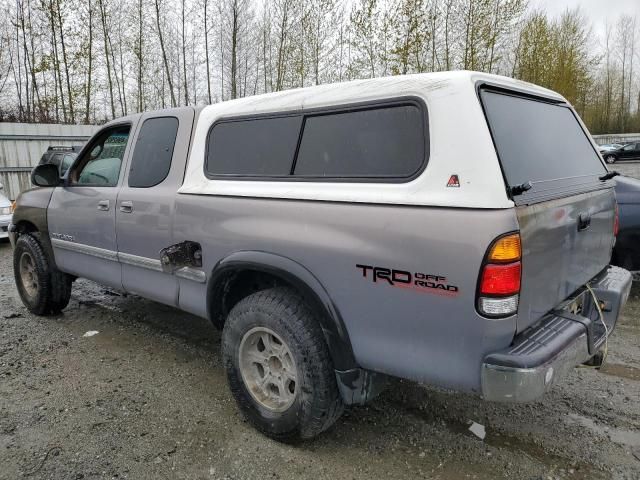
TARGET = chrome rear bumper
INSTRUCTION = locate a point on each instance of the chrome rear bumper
(543, 353)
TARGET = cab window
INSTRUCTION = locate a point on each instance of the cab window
(100, 166)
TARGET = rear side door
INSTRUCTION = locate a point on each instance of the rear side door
(81, 214)
(145, 205)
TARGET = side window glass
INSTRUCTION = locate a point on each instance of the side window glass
(101, 165)
(379, 142)
(55, 160)
(628, 148)
(153, 152)
(253, 147)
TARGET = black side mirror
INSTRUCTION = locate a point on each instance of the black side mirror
(46, 175)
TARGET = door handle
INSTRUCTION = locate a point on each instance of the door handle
(126, 207)
(103, 205)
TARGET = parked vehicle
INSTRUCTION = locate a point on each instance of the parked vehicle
(5, 214)
(609, 146)
(358, 245)
(630, 151)
(60, 156)
(626, 253)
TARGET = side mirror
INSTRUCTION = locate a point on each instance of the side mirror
(46, 175)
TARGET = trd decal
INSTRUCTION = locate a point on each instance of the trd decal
(423, 282)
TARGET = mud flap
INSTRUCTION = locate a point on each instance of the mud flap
(358, 386)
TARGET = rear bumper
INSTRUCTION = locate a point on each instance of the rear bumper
(540, 355)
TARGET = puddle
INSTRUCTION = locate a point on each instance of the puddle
(622, 371)
(630, 438)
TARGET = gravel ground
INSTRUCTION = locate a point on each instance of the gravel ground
(146, 398)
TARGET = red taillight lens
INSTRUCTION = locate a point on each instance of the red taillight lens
(500, 279)
(616, 223)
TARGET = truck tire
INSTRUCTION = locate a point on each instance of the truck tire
(278, 366)
(42, 287)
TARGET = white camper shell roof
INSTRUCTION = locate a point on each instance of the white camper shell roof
(459, 142)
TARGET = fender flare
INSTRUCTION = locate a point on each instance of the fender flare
(301, 278)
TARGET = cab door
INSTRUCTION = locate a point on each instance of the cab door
(630, 152)
(82, 213)
(145, 206)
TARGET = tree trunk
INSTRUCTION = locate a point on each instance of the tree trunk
(56, 62)
(90, 66)
(140, 58)
(184, 60)
(206, 50)
(234, 52)
(164, 55)
(66, 63)
(103, 17)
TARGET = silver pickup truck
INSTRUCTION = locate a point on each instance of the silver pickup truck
(414, 226)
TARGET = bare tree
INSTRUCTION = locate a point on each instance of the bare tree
(164, 54)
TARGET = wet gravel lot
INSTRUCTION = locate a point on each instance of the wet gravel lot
(146, 398)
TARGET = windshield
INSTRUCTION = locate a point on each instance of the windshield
(539, 142)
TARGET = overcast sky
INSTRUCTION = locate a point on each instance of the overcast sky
(598, 11)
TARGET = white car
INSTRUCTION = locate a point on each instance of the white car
(5, 214)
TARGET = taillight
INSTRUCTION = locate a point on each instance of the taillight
(616, 222)
(499, 281)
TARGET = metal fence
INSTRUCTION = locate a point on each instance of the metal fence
(617, 138)
(22, 146)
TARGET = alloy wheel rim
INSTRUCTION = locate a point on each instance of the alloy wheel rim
(268, 369)
(28, 274)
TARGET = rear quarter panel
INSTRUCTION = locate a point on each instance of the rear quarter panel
(420, 334)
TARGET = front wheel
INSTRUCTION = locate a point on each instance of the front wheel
(610, 159)
(42, 287)
(278, 366)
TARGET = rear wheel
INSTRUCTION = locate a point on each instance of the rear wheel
(42, 287)
(278, 366)
(610, 159)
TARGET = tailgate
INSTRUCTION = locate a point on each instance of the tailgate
(564, 203)
(565, 243)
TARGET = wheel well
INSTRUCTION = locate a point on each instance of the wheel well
(234, 285)
(25, 226)
(243, 273)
